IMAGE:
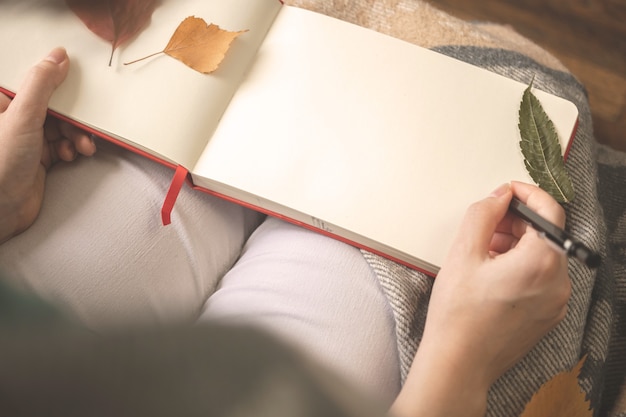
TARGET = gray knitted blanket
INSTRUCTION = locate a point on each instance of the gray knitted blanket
(594, 325)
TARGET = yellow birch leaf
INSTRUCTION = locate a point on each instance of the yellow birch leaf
(560, 397)
(198, 45)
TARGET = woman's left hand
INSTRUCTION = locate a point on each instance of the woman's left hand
(30, 143)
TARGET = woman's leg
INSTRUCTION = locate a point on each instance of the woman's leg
(98, 247)
(318, 294)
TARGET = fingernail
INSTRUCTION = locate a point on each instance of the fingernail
(57, 56)
(501, 190)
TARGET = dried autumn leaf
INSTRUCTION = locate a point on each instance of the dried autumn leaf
(542, 150)
(560, 397)
(115, 21)
(198, 45)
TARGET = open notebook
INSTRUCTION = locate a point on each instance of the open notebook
(358, 135)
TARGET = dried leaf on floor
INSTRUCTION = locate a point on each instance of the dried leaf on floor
(561, 396)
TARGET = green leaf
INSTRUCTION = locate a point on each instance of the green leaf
(542, 150)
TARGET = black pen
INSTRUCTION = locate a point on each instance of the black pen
(555, 234)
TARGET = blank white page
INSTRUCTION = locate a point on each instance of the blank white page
(158, 104)
(370, 134)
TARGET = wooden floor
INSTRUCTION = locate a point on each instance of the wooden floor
(588, 36)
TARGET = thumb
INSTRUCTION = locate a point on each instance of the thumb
(31, 100)
(482, 219)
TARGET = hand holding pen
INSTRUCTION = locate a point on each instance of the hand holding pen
(500, 290)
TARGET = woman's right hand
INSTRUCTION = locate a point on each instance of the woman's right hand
(500, 290)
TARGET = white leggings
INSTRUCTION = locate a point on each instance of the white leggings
(99, 251)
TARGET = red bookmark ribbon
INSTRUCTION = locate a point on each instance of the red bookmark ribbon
(172, 194)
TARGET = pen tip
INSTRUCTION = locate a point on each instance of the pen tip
(593, 260)
(585, 255)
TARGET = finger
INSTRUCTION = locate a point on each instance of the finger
(520, 227)
(540, 201)
(530, 241)
(502, 242)
(536, 252)
(507, 224)
(64, 149)
(509, 232)
(31, 100)
(512, 224)
(4, 103)
(481, 221)
(81, 140)
(85, 145)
